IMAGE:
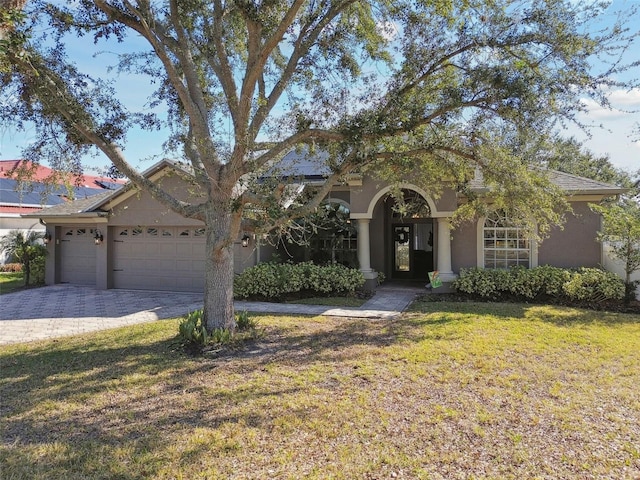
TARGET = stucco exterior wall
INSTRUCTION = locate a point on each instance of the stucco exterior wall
(464, 250)
(575, 245)
(142, 209)
(363, 196)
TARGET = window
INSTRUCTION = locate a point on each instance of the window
(335, 239)
(504, 244)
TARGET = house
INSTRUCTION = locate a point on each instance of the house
(126, 239)
(21, 197)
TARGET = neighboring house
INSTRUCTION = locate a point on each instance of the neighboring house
(22, 197)
(126, 239)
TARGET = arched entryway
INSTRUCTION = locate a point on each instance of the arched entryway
(409, 236)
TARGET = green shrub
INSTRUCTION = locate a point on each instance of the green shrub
(592, 285)
(275, 280)
(37, 270)
(476, 281)
(551, 279)
(192, 330)
(584, 285)
(219, 336)
(245, 323)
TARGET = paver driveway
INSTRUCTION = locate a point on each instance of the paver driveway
(60, 310)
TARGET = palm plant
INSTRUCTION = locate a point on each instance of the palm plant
(25, 247)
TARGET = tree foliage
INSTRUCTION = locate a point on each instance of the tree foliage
(621, 231)
(569, 155)
(431, 88)
(25, 247)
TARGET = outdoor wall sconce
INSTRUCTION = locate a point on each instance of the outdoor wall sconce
(47, 238)
(98, 237)
(245, 240)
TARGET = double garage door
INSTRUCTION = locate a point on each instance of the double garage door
(158, 258)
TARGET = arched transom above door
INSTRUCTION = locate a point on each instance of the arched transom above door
(413, 191)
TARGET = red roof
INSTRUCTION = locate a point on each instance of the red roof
(41, 173)
(8, 209)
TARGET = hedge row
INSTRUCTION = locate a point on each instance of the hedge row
(11, 267)
(583, 285)
(276, 280)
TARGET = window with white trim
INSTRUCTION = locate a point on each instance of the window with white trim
(505, 244)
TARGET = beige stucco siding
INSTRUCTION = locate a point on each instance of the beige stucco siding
(142, 209)
(575, 245)
(464, 251)
(363, 198)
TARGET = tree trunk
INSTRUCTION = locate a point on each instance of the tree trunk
(629, 291)
(218, 287)
(26, 266)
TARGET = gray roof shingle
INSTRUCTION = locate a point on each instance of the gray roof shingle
(571, 184)
(297, 164)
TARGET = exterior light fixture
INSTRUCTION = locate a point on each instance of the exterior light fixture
(47, 238)
(97, 238)
(245, 240)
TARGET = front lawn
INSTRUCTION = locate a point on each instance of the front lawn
(10, 281)
(448, 391)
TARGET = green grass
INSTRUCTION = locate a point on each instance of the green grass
(10, 281)
(455, 391)
(331, 301)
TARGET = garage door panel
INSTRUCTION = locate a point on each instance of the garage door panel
(138, 249)
(77, 256)
(188, 250)
(168, 265)
(159, 259)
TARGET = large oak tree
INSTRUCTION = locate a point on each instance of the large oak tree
(438, 88)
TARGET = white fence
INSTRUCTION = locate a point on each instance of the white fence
(616, 266)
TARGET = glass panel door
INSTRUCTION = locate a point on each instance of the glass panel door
(402, 236)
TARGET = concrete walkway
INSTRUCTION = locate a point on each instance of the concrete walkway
(61, 310)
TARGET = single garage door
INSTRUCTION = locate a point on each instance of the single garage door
(78, 256)
(159, 258)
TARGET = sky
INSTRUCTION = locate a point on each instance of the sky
(616, 133)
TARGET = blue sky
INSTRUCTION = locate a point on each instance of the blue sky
(620, 136)
(616, 139)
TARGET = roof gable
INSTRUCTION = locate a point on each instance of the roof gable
(297, 164)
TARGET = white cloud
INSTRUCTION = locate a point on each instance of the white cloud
(595, 111)
(626, 98)
(623, 103)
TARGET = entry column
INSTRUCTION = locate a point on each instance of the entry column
(364, 254)
(443, 263)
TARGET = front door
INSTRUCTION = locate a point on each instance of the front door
(412, 245)
(402, 251)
